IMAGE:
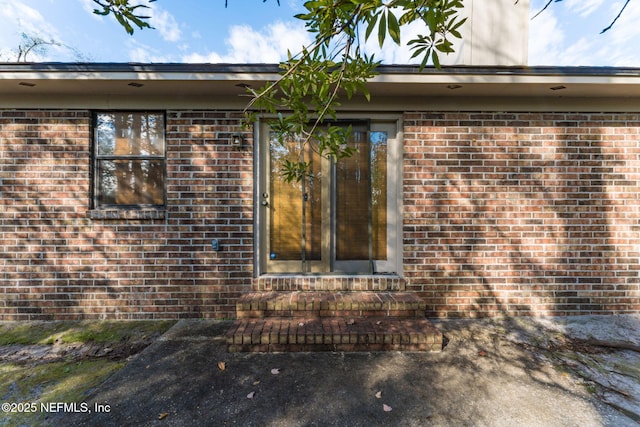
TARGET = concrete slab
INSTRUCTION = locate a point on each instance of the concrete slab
(490, 373)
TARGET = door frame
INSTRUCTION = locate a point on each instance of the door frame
(393, 263)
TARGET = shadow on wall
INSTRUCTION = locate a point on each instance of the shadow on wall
(527, 214)
(58, 263)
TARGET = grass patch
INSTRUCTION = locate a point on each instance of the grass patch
(50, 382)
(47, 333)
(68, 381)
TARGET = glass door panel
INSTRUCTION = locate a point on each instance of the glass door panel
(361, 204)
(352, 202)
(379, 192)
(361, 200)
(343, 217)
(295, 207)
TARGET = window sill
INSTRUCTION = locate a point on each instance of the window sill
(127, 214)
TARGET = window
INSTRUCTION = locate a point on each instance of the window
(129, 159)
(343, 217)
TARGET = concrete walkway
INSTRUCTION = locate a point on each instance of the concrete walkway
(491, 373)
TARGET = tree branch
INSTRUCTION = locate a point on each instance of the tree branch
(305, 54)
(544, 8)
(334, 93)
(624, 6)
(616, 18)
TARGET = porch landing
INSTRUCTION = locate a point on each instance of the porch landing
(281, 321)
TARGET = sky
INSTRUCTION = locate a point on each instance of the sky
(253, 31)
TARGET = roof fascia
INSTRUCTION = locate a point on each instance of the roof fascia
(269, 72)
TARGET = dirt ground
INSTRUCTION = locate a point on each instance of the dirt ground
(507, 372)
(36, 353)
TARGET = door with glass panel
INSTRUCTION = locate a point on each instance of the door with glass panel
(342, 217)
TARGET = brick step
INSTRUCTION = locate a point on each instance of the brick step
(330, 304)
(333, 334)
(336, 283)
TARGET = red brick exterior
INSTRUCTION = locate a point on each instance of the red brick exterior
(60, 260)
(504, 213)
(522, 213)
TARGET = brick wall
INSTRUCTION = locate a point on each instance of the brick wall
(504, 213)
(522, 214)
(59, 259)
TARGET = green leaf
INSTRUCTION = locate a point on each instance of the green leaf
(366, 93)
(382, 31)
(435, 59)
(394, 27)
(410, 16)
(418, 51)
(104, 12)
(371, 25)
(314, 81)
(121, 19)
(431, 20)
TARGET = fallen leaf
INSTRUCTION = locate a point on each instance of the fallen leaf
(482, 353)
(222, 366)
(163, 415)
(379, 395)
(387, 408)
(256, 382)
(250, 395)
(275, 371)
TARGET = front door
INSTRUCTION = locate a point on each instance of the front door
(342, 216)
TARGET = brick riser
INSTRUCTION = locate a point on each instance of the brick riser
(332, 321)
(331, 283)
(333, 334)
(329, 304)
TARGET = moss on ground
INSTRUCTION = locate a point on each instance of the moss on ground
(79, 332)
(67, 381)
(50, 382)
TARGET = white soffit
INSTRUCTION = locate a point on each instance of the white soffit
(229, 80)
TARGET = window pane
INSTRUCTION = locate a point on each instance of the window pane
(131, 182)
(379, 193)
(127, 134)
(360, 179)
(296, 207)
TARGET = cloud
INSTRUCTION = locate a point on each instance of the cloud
(29, 20)
(146, 55)
(165, 24)
(139, 51)
(24, 20)
(584, 7)
(549, 44)
(546, 40)
(617, 46)
(163, 21)
(247, 45)
(89, 6)
(550, 41)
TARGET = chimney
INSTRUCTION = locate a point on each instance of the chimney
(496, 33)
